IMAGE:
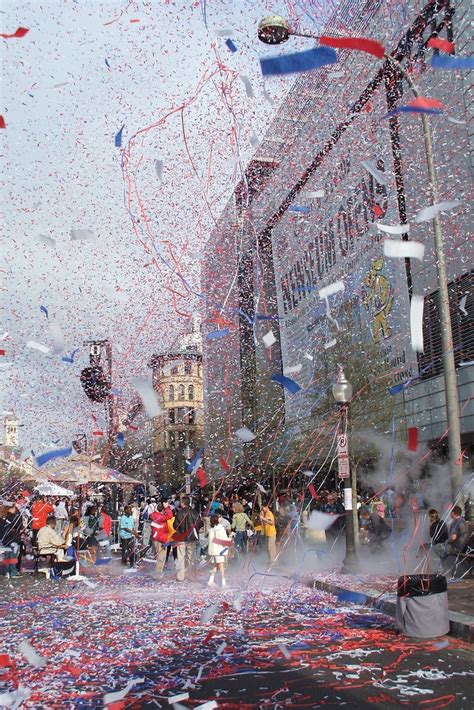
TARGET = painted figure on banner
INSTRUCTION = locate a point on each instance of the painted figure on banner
(378, 299)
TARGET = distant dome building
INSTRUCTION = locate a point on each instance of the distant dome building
(178, 433)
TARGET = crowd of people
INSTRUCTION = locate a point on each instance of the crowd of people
(57, 533)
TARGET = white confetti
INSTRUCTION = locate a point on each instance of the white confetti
(261, 488)
(224, 33)
(416, 322)
(209, 705)
(159, 169)
(247, 84)
(47, 240)
(293, 369)
(37, 346)
(330, 344)
(331, 290)
(120, 694)
(178, 698)
(457, 121)
(394, 228)
(57, 336)
(462, 305)
(429, 213)
(269, 339)
(308, 356)
(148, 396)
(254, 140)
(320, 521)
(16, 698)
(381, 178)
(81, 234)
(31, 656)
(399, 249)
(221, 648)
(209, 613)
(245, 434)
(283, 650)
(314, 195)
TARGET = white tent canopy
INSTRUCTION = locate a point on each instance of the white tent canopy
(52, 489)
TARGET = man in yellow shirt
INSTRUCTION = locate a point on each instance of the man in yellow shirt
(269, 530)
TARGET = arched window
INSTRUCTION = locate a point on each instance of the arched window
(171, 393)
(191, 392)
(180, 391)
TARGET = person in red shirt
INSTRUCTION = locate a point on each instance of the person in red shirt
(40, 511)
(159, 533)
(106, 522)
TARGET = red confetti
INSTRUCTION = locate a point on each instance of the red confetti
(412, 438)
(312, 490)
(2, 122)
(135, 20)
(377, 210)
(201, 474)
(2, 352)
(6, 661)
(97, 433)
(424, 102)
(442, 44)
(21, 32)
(360, 43)
(224, 464)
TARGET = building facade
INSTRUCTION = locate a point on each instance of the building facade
(178, 432)
(338, 160)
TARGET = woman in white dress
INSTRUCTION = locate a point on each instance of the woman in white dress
(217, 549)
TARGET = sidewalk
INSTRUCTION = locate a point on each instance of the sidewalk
(381, 592)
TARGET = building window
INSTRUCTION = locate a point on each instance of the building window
(171, 393)
(171, 416)
(188, 367)
(460, 292)
(191, 392)
(180, 391)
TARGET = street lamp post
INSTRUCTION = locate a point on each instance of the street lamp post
(275, 30)
(342, 393)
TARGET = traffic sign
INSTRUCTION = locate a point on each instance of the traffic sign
(343, 457)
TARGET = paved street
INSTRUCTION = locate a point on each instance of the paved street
(271, 644)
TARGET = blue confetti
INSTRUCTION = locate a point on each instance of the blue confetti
(299, 208)
(50, 455)
(398, 388)
(412, 109)
(286, 382)
(118, 137)
(298, 62)
(261, 316)
(107, 64)
(120, 440)
(231, 45)
(192, 464)
(45, 311)
(70, 358)
(445, 61)
(217, 334)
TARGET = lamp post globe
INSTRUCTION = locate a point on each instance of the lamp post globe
(273, 29)
(342, 388)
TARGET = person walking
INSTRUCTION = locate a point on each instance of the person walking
(187, 523)
(61, 514)
(159, 533)
(216, 549)
(126, 534)
(240, 523)
(269, 530)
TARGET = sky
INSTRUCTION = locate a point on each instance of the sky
(158, 79)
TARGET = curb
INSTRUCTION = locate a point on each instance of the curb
(459, 626)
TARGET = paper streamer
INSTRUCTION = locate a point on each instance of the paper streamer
(445, 61)
(148, 397)
(121, 694)
(421, 104)
(261, 488)
(245, 434)
(314, 195)
(412, 438)
(44, 310)
(299, 208)
(399, 249)
(247, 84)
(380, 177)
(442, 44)
(31, 656)
(70, 358)
(269, 339)
(51, 455)
(394, 228)
(298, 62)
(178, 698)
(224, 464)
(361, 44)
(120, 440)
(416, 322)
(37, 346)
(81, 234)
(311, 488)
(2, 122)
(286, 382)
(429, 213)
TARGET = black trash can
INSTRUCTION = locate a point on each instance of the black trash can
(422, 605)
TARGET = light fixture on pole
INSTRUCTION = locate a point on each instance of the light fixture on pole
(273, 30)
(342, 393)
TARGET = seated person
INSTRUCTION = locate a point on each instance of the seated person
(377, 530)
(91, 530)
(50, 543)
